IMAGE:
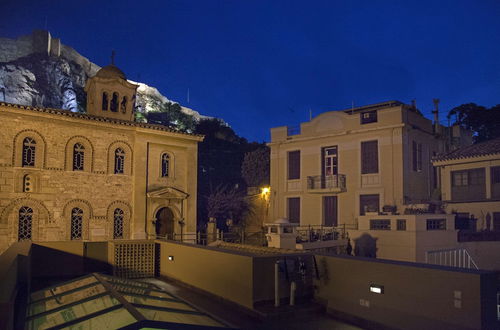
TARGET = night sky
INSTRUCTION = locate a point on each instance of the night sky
(264, 63)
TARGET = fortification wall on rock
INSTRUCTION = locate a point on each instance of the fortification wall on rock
(41, 41)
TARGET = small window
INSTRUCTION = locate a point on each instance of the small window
(27, 183)
(105, 101)
(25, 223)
(118, 224)
(123, 105)
(294, 165)
(436, 224)
(76, 223)
(368, 117)
(369, 157)
(380, 224)
(460, 178)
(368, 203)
(114, 102)
(293, 209)
(29, 152)
(119, 161)
(401, 224)
(274, 230)
(165, 165)
(78, 157)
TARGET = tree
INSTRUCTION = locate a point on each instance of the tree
(224, 203)
(255, 167)
(484, 122)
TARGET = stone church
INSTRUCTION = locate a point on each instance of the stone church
(95, 176)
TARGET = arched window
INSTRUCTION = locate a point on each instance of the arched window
(25, 223)
(29, 150)
(118, 224)
(165, 165)
(114, 102)
(105, 101)
(123, 105)
(27, 183)
(76, 223)
(119, 161)
(78, 157)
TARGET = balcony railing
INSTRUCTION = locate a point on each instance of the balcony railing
(326, 183)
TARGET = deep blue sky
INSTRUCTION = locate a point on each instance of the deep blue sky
(264, 63)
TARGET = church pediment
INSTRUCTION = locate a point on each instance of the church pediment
(168, 193)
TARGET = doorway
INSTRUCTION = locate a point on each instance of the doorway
(165, 223)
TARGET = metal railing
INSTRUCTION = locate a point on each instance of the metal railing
(320, 233)
(203, 238)
(331, 182)
(451, 257)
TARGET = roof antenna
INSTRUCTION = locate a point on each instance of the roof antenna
(310, 114)
(113, 57)
(188, 96)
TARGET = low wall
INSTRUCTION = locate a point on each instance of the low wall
(224, 274)
(14, 284)
(415, 296)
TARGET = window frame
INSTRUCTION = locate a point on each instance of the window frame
(77, 216)
(28, 151)
(362, 211)
(288, 209)
(78, 157)
(367, 155)
(293, 173)
(368, 117)
(119, 157)
(435, 224)
(380, 224)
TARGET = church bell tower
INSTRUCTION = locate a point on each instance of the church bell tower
(110, 95)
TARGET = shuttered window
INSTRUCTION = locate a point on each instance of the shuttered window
(417, 156)
(330, 210)
(294, 165)
(369, 157)
(293, 209)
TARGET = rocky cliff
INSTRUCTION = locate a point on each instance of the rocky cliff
(38, 70)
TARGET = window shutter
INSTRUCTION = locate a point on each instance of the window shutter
(369, 157)
(294, 165)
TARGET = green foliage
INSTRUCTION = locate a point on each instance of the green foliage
(255, 167)
(165, 113)
(484, 122)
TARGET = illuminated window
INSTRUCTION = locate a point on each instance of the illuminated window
(105, 101)
(165, 165)
(114, 102)
(29, 151)
(78, 157)
(118, 224)
(25, 223)
(119, 161)
(76, 223)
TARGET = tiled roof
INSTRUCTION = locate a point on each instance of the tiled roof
(85, 116)
(490, 147)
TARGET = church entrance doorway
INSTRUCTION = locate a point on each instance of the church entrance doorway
(165, 223)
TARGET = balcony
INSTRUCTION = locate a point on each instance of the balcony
(326, 183)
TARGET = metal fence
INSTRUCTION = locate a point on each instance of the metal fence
(320, 233)
(451, 257)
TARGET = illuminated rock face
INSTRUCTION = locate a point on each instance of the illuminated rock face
(38, 70)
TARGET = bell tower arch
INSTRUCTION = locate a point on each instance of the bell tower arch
(110, 95)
